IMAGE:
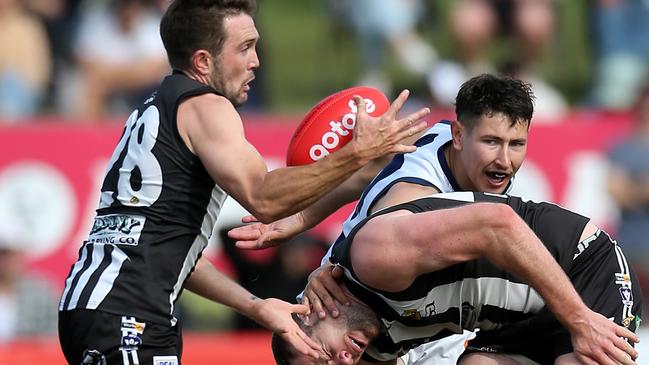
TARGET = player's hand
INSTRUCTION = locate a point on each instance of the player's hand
(276, 315)
(322, 291)
(378, 136)
(597, 340)
(257, 235)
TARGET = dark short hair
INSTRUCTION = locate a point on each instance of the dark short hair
(488, 94)
(190, 25)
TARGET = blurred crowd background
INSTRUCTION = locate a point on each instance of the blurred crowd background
(91, 61)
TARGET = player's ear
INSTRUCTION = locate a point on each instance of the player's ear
(201, 62)
(457, 131)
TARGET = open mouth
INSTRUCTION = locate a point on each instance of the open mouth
(356, 344)
(497, 176)
(246, 85)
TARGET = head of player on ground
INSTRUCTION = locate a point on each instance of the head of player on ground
(213, 41)
(490, 134)
(343, 339)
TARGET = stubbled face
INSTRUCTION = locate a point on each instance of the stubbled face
(343, 339)
(487, 157)
(234, 68)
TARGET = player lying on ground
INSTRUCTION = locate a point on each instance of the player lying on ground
(479, 273)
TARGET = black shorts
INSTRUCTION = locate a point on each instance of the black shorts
(605, 282)
(104, 338)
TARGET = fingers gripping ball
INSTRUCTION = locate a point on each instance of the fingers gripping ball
(329, 125)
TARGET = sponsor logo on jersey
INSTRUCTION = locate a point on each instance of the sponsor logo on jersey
(117, 229)
(412, 314)
(429, 311)
(165, 360)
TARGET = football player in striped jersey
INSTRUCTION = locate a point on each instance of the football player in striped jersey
(480, 271)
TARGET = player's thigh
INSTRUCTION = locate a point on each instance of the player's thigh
(567, 359)
(92, 337)
(478, 358)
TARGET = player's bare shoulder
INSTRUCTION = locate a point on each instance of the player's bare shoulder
(402, 192)
(206, 117)
(201, 107)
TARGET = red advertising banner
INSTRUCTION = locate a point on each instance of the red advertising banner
(50, 175)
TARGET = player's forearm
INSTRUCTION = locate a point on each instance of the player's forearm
(211, 284)
(349, 191)
(520, 252)
(289, 190)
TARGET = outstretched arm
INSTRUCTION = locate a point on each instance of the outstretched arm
(237, 167)
(271, 313)
(259, 235)
(489, 230)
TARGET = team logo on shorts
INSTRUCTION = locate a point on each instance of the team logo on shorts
(131, 341)
(626, 322)
(165, 360)
(627, 295)
(622, 279)
(132, 326)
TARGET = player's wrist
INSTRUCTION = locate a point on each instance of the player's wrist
(350, 157)
(575, 319)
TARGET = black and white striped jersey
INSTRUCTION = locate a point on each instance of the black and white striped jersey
(157, 208)
(426, 166)
(466, 296)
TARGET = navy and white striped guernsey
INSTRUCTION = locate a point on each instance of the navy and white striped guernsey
(157, 209)
(426, 166)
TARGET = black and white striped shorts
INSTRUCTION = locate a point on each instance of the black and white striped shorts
(90, 337)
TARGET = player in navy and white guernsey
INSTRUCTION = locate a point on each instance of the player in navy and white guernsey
(426, 167)
(474, 280)
(182, 151)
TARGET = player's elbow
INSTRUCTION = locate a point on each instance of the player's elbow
(498, 223)
(376, 257)
(267, 210)
(266, 214)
